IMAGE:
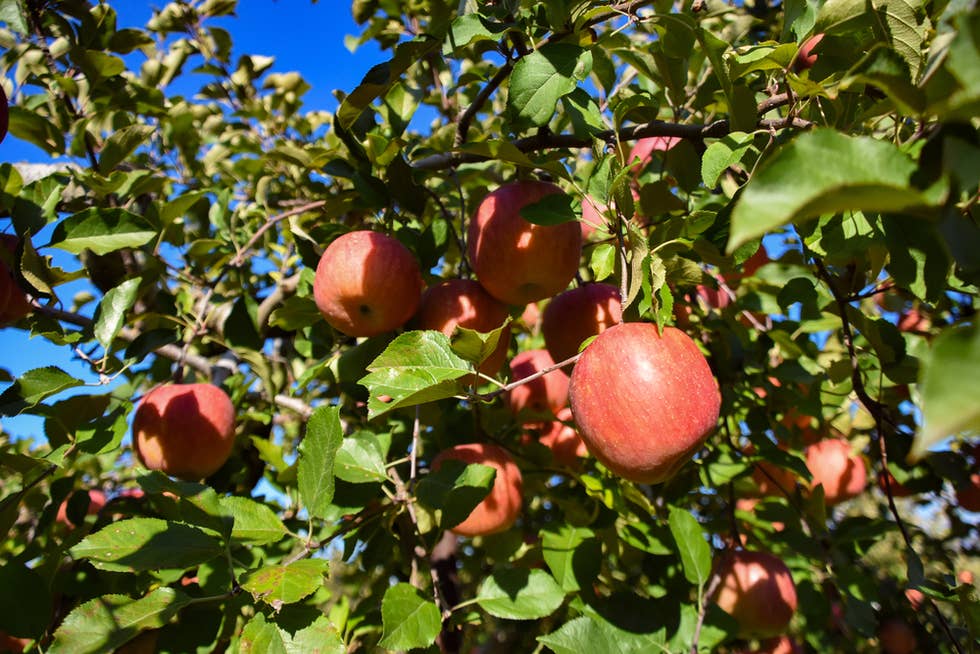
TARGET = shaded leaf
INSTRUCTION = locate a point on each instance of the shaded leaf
(520, 594)
(32, 387)
(254, 522)
(455, 489)
(147, 544)
(694, 550)
(573, 554)
(360, 459)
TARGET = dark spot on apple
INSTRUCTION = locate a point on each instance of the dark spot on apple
(364, 309)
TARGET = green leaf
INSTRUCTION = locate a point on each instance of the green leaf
(475, 346)
(13, 15)
(466, 29)
(111, 314)
(105, 623)
(101, 231)
(573, 554)
(262, 637)
(409, 620)
(906, 26)
(883, 68)
(693, 548)
(381, 78)
(455, 489)
(360, 459)
(520, 594)
(595, 636)
(32, 387)
(285, 584)
(949, 387)
(825, 172)
(191, 502)
(121, 144)
(319, 638)
(147, 544)
(553, 209)
(416, 367)
(721, 154)
(317, 454)
(603, 261)
(254, 522)
(541, 78)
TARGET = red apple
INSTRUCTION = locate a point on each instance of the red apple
(753, 263)
(11, 644)
(914, 320)
(464, 303)
(567, 447)
(531, 317)
(773, 480)
(501, 507)
(806, 57)
(96, 500)
(643, 150)
(184, 430)
(4, 113)
(968, 495)
(578, 314)
(898, 490)
(14, 303)
(644, 402)
(540, 398)
(915, 598)
(833, 465)
(896, 637)
(965, 577)
(714, 298)
(756, 588)
(517, 261)
(367, 283)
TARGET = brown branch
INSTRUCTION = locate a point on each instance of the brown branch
(548, 141)
(877, 410)
(242, 255)
(486, 397)
(466, 118)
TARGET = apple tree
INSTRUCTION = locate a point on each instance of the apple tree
(776, 452)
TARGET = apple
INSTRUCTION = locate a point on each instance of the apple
(773, 480)
(968, 495)
(517, 261)
(184, 430)
(753, 263)
(11, 644)
(756, 588)
(578, 314)
(896, 637)
(644, 148)
(501, 507)
(806, 57)
(965, 577)
(4, 113)
(14, 303)
(566, 446)
(914, 321)
(643, 401)
(96, 500)
(464, 303)
(833, 465)
(714, 298)
(367, 283)
(540, 398)
(898, 490)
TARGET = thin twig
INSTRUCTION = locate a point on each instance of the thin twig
(486, 397)
(242, 255)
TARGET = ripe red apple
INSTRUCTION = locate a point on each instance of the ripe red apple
(517, 261)
(184, 430)
(464, 303)
(96, 500)
(567, 447)
(367, 283)
(896, 637)
(965, 577)
(540, 398)
(14, 303)
(832, 464)
(756, 588)
(968, 495)
(4, 113)
(644, 401)
(714, 298)
(501, 507)
(643, 150)
(806, 57)
(578, 314)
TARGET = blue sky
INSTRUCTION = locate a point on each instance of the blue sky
(302, 36)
